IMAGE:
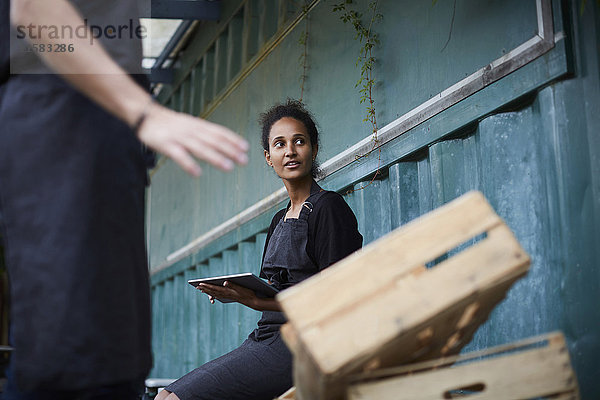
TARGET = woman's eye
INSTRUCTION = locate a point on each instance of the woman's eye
(278, 144)
(299, 141)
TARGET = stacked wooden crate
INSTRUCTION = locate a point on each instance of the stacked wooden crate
(416, 294)
(537, 367)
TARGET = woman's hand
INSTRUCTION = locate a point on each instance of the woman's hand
(229, 291)
(240, 294)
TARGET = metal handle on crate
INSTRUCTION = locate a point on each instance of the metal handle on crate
(462, 391)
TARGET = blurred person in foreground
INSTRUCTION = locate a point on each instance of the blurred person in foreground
(72, 183)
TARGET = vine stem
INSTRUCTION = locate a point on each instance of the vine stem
(305, 51)
(372, 117)
(451, 26)
(372, 114)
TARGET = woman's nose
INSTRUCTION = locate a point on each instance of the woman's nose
(290, 149)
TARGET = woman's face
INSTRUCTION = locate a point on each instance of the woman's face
(290, 152)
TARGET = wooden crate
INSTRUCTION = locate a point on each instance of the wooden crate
(381, 306)
(288, 395)
(532, 368)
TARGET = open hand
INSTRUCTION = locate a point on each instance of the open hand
(183, 137)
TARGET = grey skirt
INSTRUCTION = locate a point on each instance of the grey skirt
(256, 370)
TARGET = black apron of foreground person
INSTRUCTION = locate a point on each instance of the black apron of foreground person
(72, 182)
(261, 368)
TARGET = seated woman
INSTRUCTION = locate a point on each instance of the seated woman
(316, 230)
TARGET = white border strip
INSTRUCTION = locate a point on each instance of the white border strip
(497, 69)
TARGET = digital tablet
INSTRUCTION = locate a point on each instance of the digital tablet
(247, 280)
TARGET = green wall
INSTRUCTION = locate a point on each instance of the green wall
(530, 142)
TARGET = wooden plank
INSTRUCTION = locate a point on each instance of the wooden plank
(554, 338)
(527, 373)
(427, 238)
(416, 299)
(289, 337)
(288, 395)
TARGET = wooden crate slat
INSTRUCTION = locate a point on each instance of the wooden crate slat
(530, 373)
(555, 339)
(289, 335)
(394, 255)
(443, 340)
(288, 395)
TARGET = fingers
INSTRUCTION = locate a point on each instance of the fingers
(232, 145)
(207, 153)
(185, 161)
(230, 285)
(214, 144)
(185, 139)
(216, 291)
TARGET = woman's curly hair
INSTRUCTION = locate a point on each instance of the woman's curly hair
(292, 109)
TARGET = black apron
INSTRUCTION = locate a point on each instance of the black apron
(261, 368)
(286, 261)
(72, 183)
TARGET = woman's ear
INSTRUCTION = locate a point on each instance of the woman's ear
(315, 151)
(268, 158)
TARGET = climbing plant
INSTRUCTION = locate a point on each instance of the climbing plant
(368, 39)
(451, 23)
(303, 42)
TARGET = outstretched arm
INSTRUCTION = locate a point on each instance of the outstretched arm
(178, 136)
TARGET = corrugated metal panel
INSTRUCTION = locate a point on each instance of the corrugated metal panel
(249, 257)
(332, 96)
(187, 329)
